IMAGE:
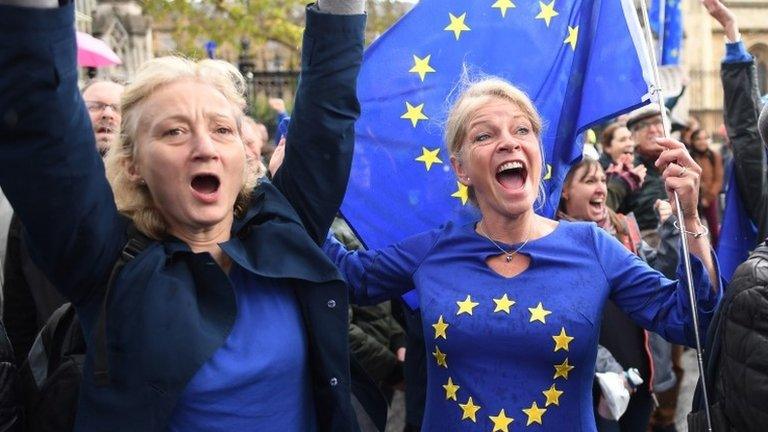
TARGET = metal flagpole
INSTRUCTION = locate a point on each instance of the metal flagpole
(662, 27)
(656, 92)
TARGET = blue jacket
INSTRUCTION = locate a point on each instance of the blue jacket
(170, 309)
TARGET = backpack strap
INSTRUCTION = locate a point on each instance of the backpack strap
(137, 242)
(44, 348)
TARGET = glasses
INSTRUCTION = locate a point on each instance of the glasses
(95, 107)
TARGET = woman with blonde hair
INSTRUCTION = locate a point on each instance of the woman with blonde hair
(511, 303)
(231, 318)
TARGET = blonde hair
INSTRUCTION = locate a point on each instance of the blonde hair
(477, 93)
(135, 200)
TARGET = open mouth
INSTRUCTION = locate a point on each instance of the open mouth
(205, 184)
(105, 129)
(597, 203)
(512, 175)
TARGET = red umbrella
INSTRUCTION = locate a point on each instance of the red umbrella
(92, 52)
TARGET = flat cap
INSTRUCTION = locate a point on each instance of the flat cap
(642, 113)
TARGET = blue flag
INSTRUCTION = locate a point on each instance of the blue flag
(580, 61)
(738, 235)
(672, 39)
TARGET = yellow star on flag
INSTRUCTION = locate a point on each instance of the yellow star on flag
(503, 5)
(440, 327)
(469, 410)
(462, 193)
(429, 157)
(503, 304)
(441, 357)
(562, 369)
(450, 389)
(466, 306)
(534, 414)
(547, 12)
(414, 113)
(539, 313)
(421, 66)
(562, 340)
(552, 395)
(457, 24)
(573, 36)
(501, 422)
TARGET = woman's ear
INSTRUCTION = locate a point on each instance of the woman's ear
(132, 170)
(461, 173)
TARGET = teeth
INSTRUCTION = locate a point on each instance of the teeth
(510, 165)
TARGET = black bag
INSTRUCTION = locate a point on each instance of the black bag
(50, 377)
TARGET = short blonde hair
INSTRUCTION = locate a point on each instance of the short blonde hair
(475, 95)
(134, 199)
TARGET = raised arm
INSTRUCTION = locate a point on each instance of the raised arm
(50, 169)
(651, 300)
(741, 106)
(318, 153)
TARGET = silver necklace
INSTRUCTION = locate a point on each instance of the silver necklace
(508, 255)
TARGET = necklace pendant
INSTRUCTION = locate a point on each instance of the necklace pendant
(509, 258)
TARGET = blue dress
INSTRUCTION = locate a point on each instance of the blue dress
(519, 353)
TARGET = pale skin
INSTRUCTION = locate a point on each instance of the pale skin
(188, 129)
(499, 132)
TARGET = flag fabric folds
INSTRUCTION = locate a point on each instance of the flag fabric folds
(738, 235)
(580, 61)
(672, 39)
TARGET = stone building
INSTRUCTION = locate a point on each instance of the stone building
(704, 47)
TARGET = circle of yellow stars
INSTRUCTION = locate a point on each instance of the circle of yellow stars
(471, 409)
(458, 24)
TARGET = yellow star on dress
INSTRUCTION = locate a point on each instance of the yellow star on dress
(466, 306)
(539, 313)
(503, 304)
(469, 410)
(562, 369)
(440, 327)
(549, 172)
(552, 395)
(450, 389)
(457, 24)
(501, 422)
(421, 66)
(534, 414)
(503, 5)
(441, 357)
(462, 193)
(429, 157)
(573, 36)
(414, 113)
(547, 12)
(562, 340)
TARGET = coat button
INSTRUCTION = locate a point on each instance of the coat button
(333, 381)
(331, 303)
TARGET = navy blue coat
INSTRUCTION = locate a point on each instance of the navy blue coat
(170, 309)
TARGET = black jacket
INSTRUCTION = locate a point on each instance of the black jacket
(737, 362)
(741, 110)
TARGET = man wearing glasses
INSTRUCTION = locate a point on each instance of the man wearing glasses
(102, 98)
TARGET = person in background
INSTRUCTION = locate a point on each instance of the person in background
(617, 142)
(711, 164)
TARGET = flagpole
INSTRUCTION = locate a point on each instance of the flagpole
(656, 91)
(662, 26)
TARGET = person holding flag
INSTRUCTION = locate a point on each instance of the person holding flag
(511, 302)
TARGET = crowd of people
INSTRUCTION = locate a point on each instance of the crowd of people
(171, 265)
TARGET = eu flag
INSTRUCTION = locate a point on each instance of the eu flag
(580, 61)
(672, 38)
